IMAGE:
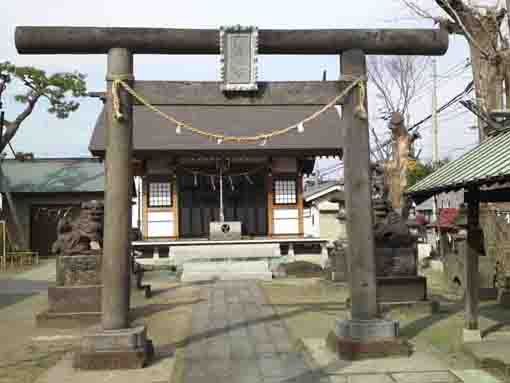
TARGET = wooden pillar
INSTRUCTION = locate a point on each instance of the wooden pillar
(118, 187)
(358, 196)
(472, 273)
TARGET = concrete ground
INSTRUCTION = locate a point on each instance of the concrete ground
(246, 332)
(310, 308)
(29, 354)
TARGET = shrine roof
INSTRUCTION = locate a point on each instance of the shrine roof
(152, 133)
(53, 175)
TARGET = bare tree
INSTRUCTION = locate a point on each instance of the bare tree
(481, 25)
(398, 81)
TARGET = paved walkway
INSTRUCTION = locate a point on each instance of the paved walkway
(237, 337)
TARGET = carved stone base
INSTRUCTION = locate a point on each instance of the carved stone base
(81, 270)
(74, 299)
(114, 349)
(366, 339)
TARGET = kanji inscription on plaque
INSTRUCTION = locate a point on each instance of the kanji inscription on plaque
(238, 46)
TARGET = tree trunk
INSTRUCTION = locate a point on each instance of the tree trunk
(487, 73)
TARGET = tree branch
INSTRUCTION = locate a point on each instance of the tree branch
(447, 6)
(12, 127)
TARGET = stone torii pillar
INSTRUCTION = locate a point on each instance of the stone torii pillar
(117, 345)
(365, 334)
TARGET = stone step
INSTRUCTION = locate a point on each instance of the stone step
(184, 254)
(204, 271)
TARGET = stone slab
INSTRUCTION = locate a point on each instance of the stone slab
(475, 376)
(425, 377)
(205, 271)
(329, 362)
(220, 267)
(226, 276)
(67, 320)
(114, 349)
(159, 371)
(185, 254)
(74, 299)
(369, 378)
(490, 354)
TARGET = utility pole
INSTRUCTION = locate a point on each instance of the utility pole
(435, 144)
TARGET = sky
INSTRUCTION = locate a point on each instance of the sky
(47, 136)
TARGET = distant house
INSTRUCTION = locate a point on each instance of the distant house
(321, 215)
(451, 200)
(43, 190)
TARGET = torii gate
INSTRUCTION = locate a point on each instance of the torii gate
(365, 329)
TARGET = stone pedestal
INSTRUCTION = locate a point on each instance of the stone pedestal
(401, 289)
(76, 300)
(367, 339)
(114, 349)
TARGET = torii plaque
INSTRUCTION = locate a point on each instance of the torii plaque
(238, 48)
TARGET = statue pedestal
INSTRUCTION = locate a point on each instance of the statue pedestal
(76, 300)
(397, 275)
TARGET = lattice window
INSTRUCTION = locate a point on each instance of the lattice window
(285, 192)
(160, 194)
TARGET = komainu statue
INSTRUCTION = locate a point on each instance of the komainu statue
(84, 235)
(393, 231)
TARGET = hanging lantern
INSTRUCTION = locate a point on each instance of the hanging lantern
(263, 142)
(178, 129)
(301, 127)
(219, 141)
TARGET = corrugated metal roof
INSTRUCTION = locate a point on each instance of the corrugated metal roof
(53, 175)
(488, 162)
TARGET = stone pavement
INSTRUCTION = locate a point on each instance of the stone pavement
(237, 337)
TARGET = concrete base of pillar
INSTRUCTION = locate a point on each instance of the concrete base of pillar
(114, 349)
(471, 335)
(367, 339)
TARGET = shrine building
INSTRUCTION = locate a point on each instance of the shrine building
(182, 173)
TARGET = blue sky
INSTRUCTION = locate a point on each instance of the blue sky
(46, 136)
